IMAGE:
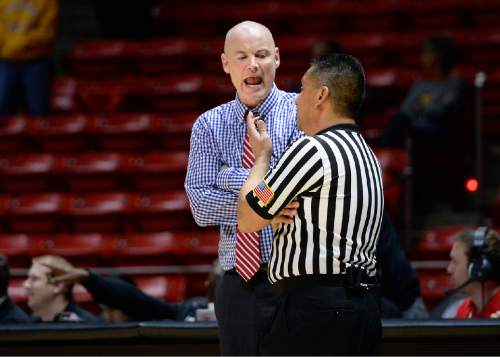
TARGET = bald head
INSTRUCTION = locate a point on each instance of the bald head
(251, 58)
(247, 28)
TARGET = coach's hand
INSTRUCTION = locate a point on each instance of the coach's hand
(286, 215)
(258, 137)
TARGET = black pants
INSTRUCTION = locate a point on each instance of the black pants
(244, 312)
(324, 319)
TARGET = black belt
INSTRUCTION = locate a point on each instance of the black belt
(263, 268)
(352, 279)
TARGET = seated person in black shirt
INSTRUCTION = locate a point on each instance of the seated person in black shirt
(9, 312)
(49, 300)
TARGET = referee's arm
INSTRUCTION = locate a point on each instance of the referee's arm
(248, 219)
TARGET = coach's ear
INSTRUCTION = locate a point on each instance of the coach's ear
(225, 62)
(322, 97)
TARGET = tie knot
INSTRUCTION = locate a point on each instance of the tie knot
(255, 114)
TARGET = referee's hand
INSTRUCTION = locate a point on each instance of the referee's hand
(258, 137)
(286, 215)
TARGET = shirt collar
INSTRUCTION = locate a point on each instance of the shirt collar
(351, 127)
(263, 108)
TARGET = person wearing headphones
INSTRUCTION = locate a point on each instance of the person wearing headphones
(475, 269)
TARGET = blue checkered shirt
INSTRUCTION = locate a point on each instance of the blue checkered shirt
(215, 173)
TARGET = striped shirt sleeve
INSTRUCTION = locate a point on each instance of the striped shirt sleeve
(298, 171)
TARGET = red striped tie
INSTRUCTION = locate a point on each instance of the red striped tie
(247, 244)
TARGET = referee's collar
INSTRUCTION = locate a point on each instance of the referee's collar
(350, 127)
(262, 109)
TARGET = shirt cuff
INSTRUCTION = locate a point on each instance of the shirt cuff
(231, 179)
(254, 203)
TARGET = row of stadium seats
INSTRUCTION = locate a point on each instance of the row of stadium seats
(114, 132)
(196, 93)
(108, 58)
(318, 15)
(95, 212)
(112, 249)
(98, 171)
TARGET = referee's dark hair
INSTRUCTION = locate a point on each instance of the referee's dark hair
(4, 275)
(345, 78)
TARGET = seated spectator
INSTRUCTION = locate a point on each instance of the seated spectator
(399, 285)
(27, 32)
(121, 300)
(49, 300)
(9, 312)
(434, 103)
(475, 269)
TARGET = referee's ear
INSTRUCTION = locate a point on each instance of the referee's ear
(323, 94)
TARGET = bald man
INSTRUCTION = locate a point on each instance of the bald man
(219, 162)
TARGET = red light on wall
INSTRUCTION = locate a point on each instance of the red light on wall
(472, 185)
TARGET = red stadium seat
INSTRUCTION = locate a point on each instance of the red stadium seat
(218, 88)
(142, 249)
(373, 49)
(186, 20)
(125, 131)
(170, 93)
(63, 94)
(175, 130)
(60, 133)
(26, 172)
(202, 247)
(35, 213)
(297, 49)
(156, 171)
(90, 171)
(433, 285)
(393, 161)
(82, 297)
(105, 96)
(375, 16)
(481, 47)
(432, 14)
(208, 54)
(484, 13)
(102, 58)
(162, 55)
(171, 288)
(17, 292)
(80, 249)
(12, 134)
(321, 16)
(16, 248)
(289, 81)
(435, 243)
(96, 212)
(161, 211)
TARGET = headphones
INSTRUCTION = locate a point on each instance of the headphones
(480, 266)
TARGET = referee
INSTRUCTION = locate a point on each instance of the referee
(323, 262)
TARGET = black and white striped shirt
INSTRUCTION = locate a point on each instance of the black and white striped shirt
(338, 182)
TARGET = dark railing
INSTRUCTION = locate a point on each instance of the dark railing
(432, 337)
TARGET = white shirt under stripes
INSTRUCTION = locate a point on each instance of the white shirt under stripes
(215, 173)
(338, 182)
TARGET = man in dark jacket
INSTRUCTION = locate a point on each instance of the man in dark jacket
(399, 285)
(49, 300)
(120, 298)
(9, 312)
